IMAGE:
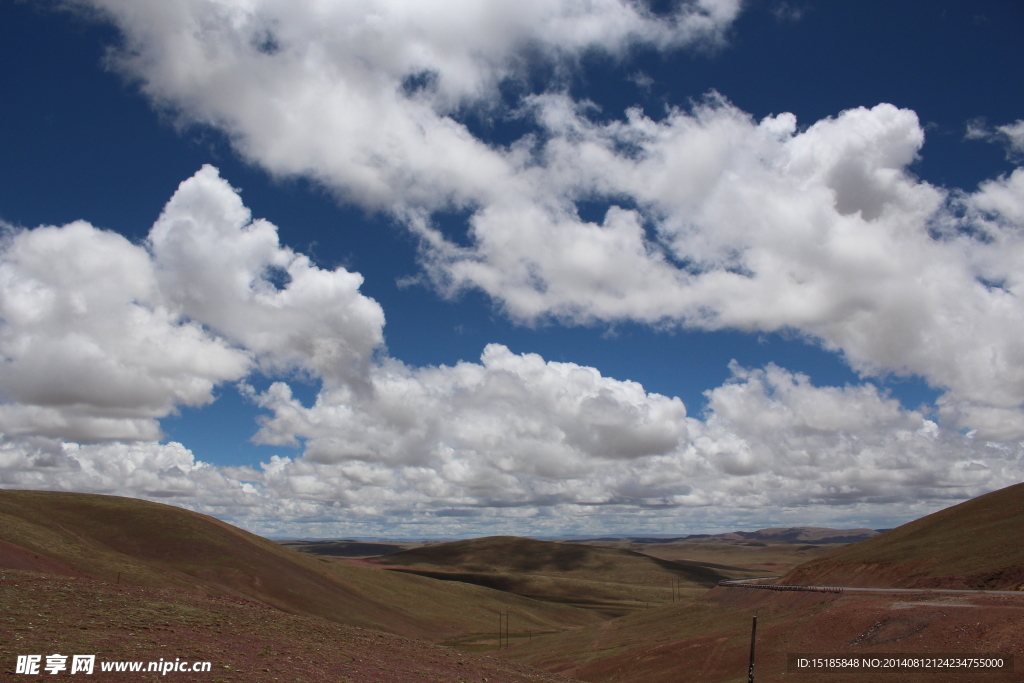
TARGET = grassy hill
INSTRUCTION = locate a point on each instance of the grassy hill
(140, 543)
(610, 580)
(976, 544)
(736, 555)
(708, 639)
(343, 548)
(245, 641)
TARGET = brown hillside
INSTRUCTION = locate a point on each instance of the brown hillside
(343, 548)
(708, 640)
(610, 580)
(245, 641)
(976, 544)
(734, 557)
(514, 555)
(147, 544)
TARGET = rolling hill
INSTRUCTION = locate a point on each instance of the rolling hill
(609, 580)
(744, 553)
(976, 545)
(343, 548)
(244, 641)
(140, 543)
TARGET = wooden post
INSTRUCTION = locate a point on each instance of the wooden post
(753, 639)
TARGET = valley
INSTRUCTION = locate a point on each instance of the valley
(130, 579)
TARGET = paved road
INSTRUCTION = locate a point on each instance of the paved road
(749, 583)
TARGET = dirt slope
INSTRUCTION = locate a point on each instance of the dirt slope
(976, 544)
(708, 640)
(245, 641)
(146, 544)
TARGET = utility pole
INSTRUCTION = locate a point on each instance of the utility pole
(503, 628)
(753, 638)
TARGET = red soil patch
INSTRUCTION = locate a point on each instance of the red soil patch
(16, 557)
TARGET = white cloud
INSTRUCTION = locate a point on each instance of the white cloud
(101, 337)
(792, 443)
(521, 445)
(716, 220)
(91, 348)
(138, 469)
(519, 431)
(513, 442)
(359, 94)
(1011, 135)
(216, 265)
(761, 227)
(511, 429)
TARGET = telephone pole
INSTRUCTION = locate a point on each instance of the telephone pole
(753, 639)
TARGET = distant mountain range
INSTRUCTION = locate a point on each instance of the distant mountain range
(797, 534)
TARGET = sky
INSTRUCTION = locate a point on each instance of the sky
(393, 269)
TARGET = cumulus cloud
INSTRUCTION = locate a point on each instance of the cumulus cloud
(757, 226)
(715, 220)
(516, 431)
(91, 348)
(804, 444)
(512, 441)
(139, 469)
(517, 443)
(217, 266)
(101, 337)
(361, 94)
(500, 427)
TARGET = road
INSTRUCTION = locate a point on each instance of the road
(748, 583)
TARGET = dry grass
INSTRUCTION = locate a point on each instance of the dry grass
(246, 641)
(611, 581)
(976, 544)
(708, 640)
(160, 546)
(733, 558)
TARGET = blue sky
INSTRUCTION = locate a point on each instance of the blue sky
(625, 199)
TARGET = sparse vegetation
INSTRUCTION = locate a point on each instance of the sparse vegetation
(131, 579)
